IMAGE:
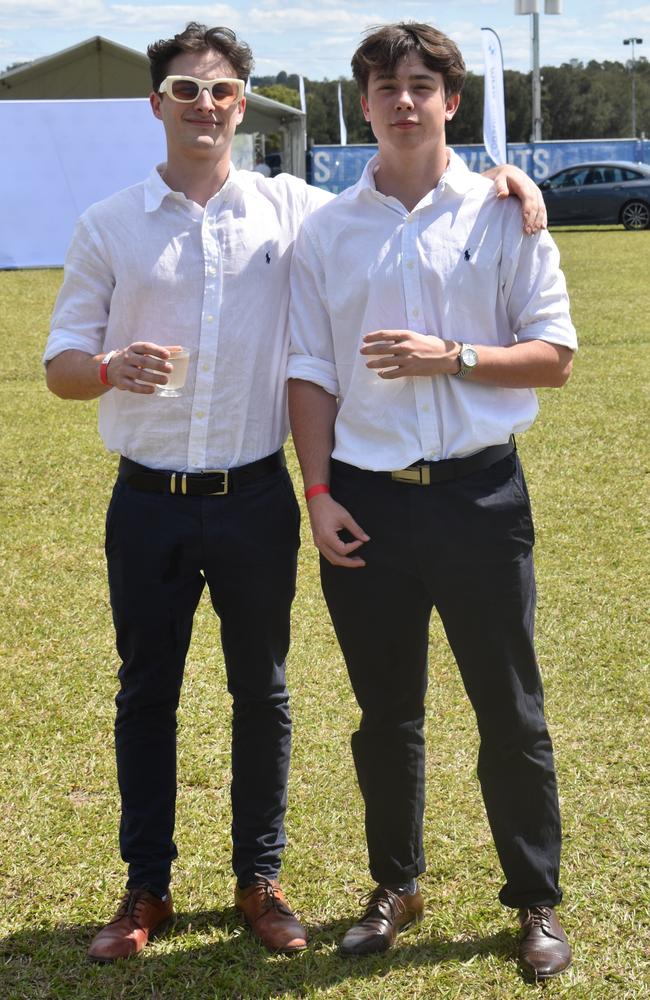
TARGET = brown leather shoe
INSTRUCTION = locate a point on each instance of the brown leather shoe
(543, 948)
(269, 915)
(386, 915)
(140, 915)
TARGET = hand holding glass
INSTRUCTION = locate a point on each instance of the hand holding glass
(179, 360)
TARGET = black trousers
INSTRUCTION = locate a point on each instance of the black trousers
(465, 547)
(161, 550)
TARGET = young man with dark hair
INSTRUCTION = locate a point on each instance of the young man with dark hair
(409, 377)
(198, 255)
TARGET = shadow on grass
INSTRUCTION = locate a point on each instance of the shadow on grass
(46, 963)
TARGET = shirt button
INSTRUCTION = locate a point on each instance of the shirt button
(200, 414)
(416, 311)
(410, 265)
(205, 368)
(209, 319)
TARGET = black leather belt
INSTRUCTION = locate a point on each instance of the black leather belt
(426, 473)
(210, 482)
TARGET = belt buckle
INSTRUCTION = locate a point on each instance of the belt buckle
(205, 472)
(213, 472)
(419, 475)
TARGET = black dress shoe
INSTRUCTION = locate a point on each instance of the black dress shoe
(543, 948)
(386, 915)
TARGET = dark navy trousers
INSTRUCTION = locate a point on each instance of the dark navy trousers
(465, 548)
(161, 550)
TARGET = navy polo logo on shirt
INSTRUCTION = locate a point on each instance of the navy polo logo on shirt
(268, 257)
(467, 254)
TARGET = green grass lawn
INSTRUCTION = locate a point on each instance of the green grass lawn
(587, 465)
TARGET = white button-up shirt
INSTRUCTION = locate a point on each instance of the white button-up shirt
(148, 264)
(459, 267)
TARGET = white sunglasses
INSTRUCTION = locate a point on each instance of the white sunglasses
(187, 89)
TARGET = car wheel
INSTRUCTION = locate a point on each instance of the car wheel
(635, 215)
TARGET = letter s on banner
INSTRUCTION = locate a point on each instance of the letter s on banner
(540, 164)
(321, 167)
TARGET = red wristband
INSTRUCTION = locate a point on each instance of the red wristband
(313, 491)
(106, 360)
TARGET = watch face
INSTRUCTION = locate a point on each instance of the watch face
(469, 357)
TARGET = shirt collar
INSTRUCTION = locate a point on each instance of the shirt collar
(156, 190)
(457, 176)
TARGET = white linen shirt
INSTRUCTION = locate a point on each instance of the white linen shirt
(459, 267)
(148, 264)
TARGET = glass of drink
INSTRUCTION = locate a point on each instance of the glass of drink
(179, 360)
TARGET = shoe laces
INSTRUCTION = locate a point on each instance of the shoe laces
(131, 906)
(378, 900)
(537, 916)
(272, 896)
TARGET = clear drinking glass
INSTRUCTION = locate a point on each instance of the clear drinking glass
(179, 360)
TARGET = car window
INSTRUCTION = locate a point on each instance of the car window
(631, 175)
(569, 178)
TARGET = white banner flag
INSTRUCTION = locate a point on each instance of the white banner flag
(342, 129)
(494, 109)
(301, 89)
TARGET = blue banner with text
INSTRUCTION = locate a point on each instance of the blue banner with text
(336, 168)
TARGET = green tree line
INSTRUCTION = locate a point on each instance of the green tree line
(579, 101)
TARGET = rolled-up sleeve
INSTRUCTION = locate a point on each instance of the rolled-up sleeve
(536, 293)
(311, 353)
(81, 311)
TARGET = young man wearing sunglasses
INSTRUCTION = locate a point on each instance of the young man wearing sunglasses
(408, 381)
(198, 256)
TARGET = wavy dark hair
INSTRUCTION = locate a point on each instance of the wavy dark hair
(383, 47)
(198, 38)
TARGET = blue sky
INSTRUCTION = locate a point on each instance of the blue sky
(317, 37)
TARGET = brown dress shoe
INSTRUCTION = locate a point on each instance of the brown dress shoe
(269, 916)
(386, 915)
(543, 948)
(140, 915)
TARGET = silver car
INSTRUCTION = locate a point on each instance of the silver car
(611, 192)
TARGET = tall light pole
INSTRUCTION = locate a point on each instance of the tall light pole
(633, 42)
(532, 7)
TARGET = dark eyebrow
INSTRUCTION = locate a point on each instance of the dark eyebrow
(414, 76)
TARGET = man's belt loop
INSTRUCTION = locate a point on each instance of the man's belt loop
(172, 482)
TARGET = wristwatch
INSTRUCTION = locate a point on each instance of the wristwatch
(103, 365)
(467, 360)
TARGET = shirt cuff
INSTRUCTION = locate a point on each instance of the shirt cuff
(62, 340)
(553, 334)
(310, 369)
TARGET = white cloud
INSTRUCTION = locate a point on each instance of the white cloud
(97, 14)
(290, 19)
(638, 15)
(14, 13)
(171, 16)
